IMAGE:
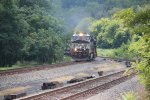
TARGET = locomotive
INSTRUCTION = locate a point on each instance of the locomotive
(83, 47)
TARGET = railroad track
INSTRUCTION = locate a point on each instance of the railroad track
(81, 90)
(35, 68)
(42, 67)
(117, 59)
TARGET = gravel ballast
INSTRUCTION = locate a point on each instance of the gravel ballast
(114, 93)
(34, 79)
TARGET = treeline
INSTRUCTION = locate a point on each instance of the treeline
(73, 11)
(29, 32)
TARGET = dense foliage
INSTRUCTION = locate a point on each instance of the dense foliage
(28, 31)
(109, 33)
(10, 38)
(140, 23)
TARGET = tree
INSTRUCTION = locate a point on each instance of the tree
(28, 31)
(109, 33)
(45, 34)
(140, 44)
(140, 24)
(10, 36)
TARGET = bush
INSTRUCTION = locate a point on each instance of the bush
(124, 53)
(129, 96)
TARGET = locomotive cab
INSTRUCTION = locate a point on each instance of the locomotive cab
(83, 47)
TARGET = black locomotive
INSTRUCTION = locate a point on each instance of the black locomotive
(83, 47)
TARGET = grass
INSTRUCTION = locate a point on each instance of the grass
(121, 53)
(7, 68)
(65, 59)
(31, 64)
(19, 65)
(105, 52)
(129, 96)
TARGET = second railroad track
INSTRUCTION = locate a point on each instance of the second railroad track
(35, 68)
(81, 90)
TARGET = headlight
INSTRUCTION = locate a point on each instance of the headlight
(80, 34)
(75, 49)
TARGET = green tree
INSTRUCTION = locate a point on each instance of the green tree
(140, 44)
(45, 34)
(109, 33)
(28, 31)
(10, 36)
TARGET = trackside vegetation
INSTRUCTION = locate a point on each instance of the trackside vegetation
(138, 45)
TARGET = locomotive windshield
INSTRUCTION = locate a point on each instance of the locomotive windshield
(80, 39)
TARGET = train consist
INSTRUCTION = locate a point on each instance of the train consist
(83, 47)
